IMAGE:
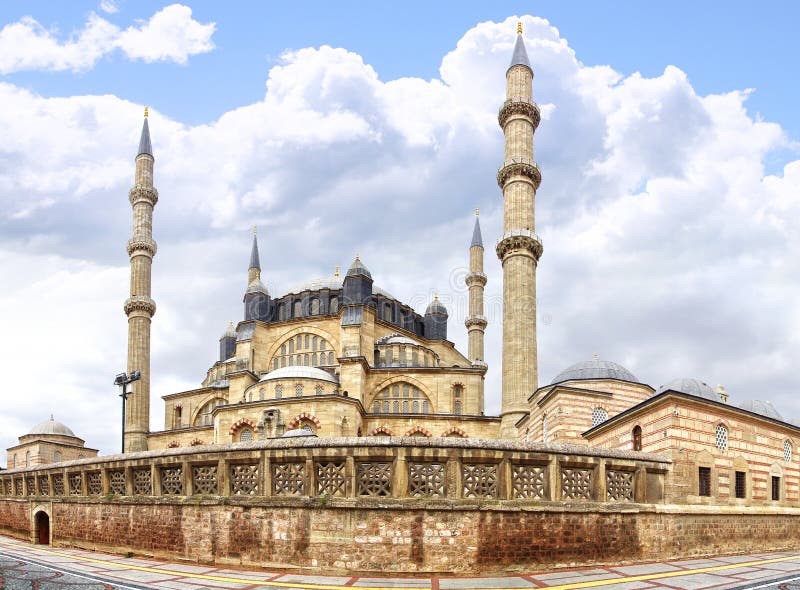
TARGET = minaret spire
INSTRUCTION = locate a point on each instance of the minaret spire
(139, 307)
(519, 248)
(254, 270)
(476, 321)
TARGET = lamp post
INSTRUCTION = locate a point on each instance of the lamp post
(123, 379)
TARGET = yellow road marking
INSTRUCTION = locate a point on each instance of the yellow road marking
(572, 586)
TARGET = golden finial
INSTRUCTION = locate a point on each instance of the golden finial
(255, 230)
(357, 258)
(477, 212)
(146, 111)
(436, 297)
(519, 27)
(336, 273)
(596, 357)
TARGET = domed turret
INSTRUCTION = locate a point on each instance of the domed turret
(257, 304)
(436, 320)
(594, 369)
(227, 343)
(357, 284)
(690, 386)
(52, 427)
(764, 408)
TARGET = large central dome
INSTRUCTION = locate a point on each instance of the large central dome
(594, 369)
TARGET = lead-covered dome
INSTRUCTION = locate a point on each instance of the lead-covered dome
(301, 372)
(595, 369)
(436, 306)
(764, 408)
(358, 268)
(52, 426)
(257, 287)
(692, 387)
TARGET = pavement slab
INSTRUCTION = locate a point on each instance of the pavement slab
(393, 582)
(695, 581)
(646, 568)
(460, 583)
(308, 579)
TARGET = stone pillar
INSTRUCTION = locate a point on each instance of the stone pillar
(519, 248)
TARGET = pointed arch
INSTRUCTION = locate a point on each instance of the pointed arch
(274, 350)
(419, 430)
(240, 423)
(454, 432)
(380, 430)
(304, 417)
(201, 407)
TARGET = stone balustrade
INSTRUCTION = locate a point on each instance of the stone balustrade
(357, 468)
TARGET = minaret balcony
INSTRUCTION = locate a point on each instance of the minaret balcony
(519, 106)
(519, 239)
(140, 303)
(140, 193)
(519, 167)
(475, 279)
(477, 321)
(144, 246)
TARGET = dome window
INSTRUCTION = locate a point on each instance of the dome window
(599, 415)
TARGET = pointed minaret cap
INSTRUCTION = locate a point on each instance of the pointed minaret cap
(477, 239)
(230, 332)
(520, 55)
(145, 147)
(358, 268)
(254, 259)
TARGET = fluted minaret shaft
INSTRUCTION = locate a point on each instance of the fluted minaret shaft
(476, 281)
(140, 307)
(519, 249)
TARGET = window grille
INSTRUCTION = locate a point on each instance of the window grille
(246, 435)
(704, 481)
(722, 437)
(278, 391)
(787, 451)
(741, 484)
(599, 415)
(298, 390)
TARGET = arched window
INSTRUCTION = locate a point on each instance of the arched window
(278, 391)
(304, 350)
(315, 306)
(205, 415)
(298, 309)
(298, 390)
(722, 437)
(457, 408)
(408, 392)
(599, 415)
(458, 391)
(787, 451)
(57, 457)
(14, 461)
(318, 390)
(387, 311)
(637, 438)
(245, 435)
(334, 304)
(27, 458)
(262, 393)
(544, 428)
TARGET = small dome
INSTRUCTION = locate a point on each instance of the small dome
(257, 287)
(230, 332)
(764, 408)
(595, 369)
(692, 387)
(396, 339)
(299, 373)
(358, 268)
(436, 306)
(52, 426)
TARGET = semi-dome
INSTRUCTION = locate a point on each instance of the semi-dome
(595, 369)
(692, 387)
(764, 408)
(436, 306)
(396, 339)
(257, 287)
(52, 426)
(301, 372)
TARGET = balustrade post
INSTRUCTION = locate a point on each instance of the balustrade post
(266, 478)
(504, 479)
(599, 485)
(223, 477)
(155, 479)
(640, 485)
(84, 483)
(351, 485)
(311, 476)
(188, 478)
(554, 478)
(104, 482)
(128, 480)
(400, 474)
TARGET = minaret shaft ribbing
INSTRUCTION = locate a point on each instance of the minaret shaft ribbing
(519, 248)
(140, 307)
(476, 281)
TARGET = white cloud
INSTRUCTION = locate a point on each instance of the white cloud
(171, 34)
(667, 248)
(109, 6)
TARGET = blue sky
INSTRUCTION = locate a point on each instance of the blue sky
(669, 209)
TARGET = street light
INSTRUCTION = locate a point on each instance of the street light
(123, 379)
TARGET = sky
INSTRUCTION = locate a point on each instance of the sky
(669, 207)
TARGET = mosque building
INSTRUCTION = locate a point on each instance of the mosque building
(340, 357)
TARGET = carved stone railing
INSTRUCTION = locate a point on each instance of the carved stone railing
(360, 468)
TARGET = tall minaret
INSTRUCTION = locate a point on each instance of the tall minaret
(519, 248)
(476, 281)
(254, 270)
(140, 307)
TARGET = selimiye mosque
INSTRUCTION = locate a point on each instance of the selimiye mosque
(339, 356)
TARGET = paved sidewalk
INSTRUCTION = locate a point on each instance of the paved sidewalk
(26, 566)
